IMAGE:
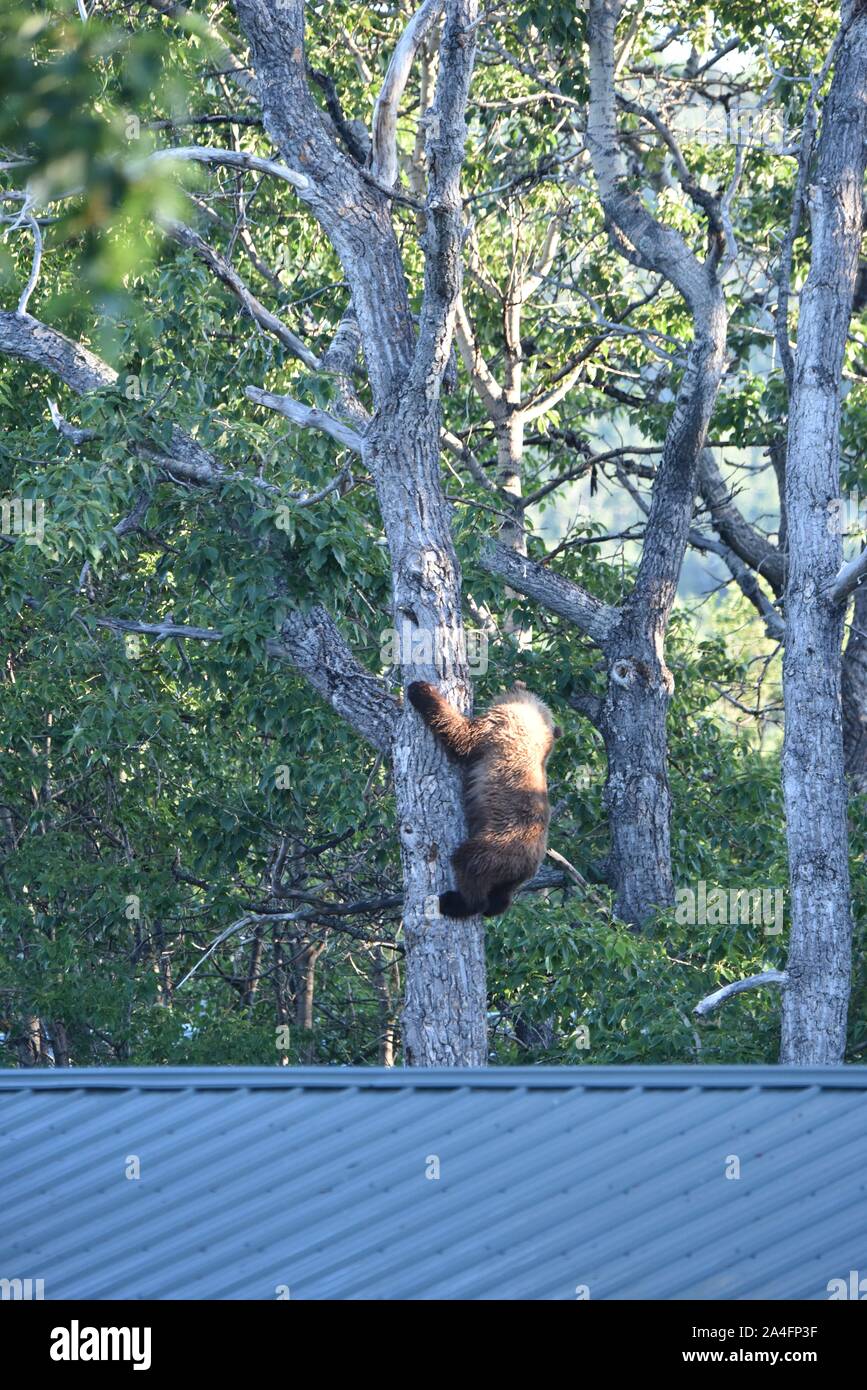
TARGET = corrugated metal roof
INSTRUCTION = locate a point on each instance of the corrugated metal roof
(549, 1178)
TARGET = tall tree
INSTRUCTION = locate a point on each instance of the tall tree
(203, 840)
(444, 1015)
(816, 997)
(632, 716)
(444, 1019)
(807, 569)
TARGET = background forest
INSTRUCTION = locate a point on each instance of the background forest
(173, 797)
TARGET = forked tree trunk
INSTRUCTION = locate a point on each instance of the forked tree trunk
(632, 716)
(445, 1006)
(635, 710)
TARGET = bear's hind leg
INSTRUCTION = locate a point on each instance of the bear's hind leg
(452, 904)
(499, 899)
(473, 881)
(472, 890)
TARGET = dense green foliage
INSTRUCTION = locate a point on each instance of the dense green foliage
(148, 786)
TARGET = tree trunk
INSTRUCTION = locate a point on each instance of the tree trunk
(816, 1000)
(512, 531)
(445, 1006)
(59, 1043)
(444, 1015)
(640, 685)
(510, 452)
(637, 795)
(30, 1044)
(254, 969)
(282, 991)
(305, 974)
(632, 716)
(382, 969)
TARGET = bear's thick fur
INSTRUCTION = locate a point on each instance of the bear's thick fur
(503, 753)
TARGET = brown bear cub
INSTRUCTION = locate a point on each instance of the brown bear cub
(503, 753)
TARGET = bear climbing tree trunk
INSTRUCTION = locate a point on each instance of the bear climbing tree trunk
(444, 1019)
(444, 1013)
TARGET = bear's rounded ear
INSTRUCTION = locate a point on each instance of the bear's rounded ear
(558, 732)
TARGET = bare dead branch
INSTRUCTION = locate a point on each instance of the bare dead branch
(229, 159)
(185, 236)
(308, 417)
(849, 578)
(719, 996)
(384, 134)
(598, 620)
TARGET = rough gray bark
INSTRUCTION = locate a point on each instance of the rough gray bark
(445, 1013)
(816, 999)
(445, 1004)
(445, 989)
(27, 338)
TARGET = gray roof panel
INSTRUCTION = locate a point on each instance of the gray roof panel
(252, 1178)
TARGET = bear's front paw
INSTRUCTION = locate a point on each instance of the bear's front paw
(421, 695)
